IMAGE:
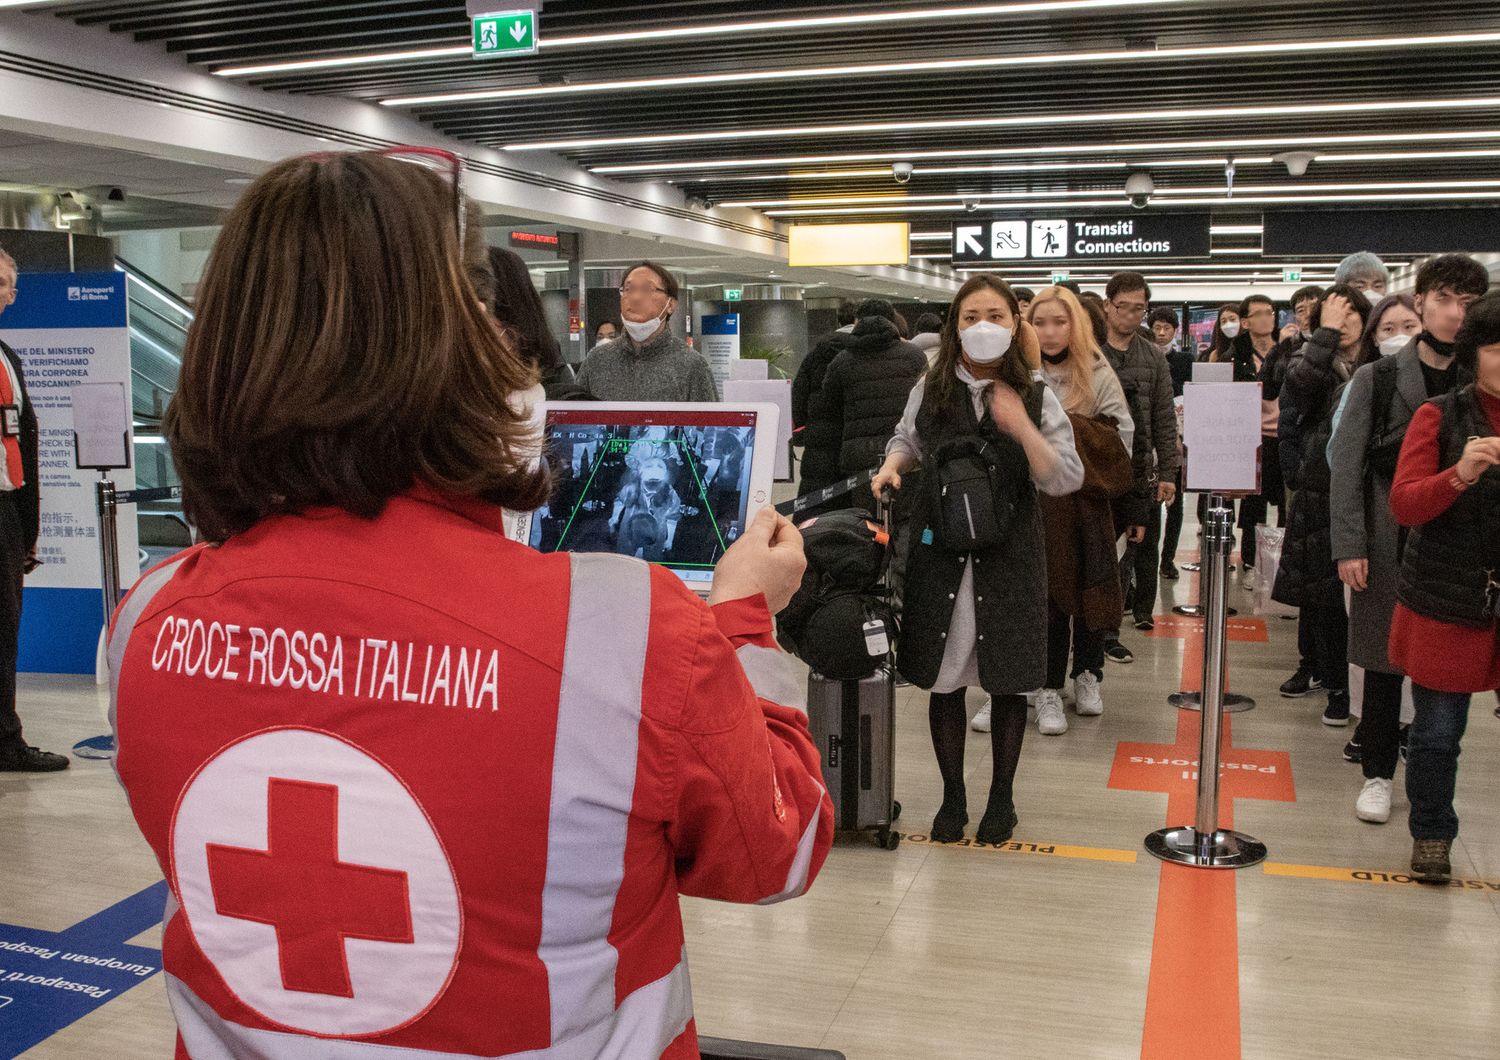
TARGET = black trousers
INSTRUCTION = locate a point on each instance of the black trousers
(1328, 630)
(1174, 528)
(1379, 731)
(12, 563)
(1140, 567)
(1069, 631)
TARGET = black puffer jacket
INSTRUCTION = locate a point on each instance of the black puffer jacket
(866, 389)
(819, 434)
(1308, 576)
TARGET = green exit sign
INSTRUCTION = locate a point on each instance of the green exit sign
(1291, 275)
(733, 294)
(1059, 277)
(504, 33)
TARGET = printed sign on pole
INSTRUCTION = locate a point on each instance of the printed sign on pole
(69, 329)
(721, 343)
(1221, 435)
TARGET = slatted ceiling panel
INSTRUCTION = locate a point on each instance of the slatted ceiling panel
(213, 34)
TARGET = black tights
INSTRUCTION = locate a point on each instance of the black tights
(950, 724)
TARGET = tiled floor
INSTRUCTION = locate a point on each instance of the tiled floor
(949, 952)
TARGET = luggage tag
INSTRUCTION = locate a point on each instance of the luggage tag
(12, 423)
(877, 641)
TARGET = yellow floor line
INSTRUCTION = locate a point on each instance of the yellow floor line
(1050, 850)
(1322, 872)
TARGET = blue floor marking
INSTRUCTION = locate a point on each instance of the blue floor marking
(51, 979)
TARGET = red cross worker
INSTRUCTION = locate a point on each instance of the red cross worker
(417, 789)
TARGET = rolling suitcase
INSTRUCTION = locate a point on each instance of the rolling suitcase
(853, 724)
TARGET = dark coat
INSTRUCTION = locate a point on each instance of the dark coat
(1146, 381)
(1308, 576)
(1010, 580)
(819, 436)
(28, 499)
(865, 391)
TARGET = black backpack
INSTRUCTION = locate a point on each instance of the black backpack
(1384, 448)
(824, 624)
(974, 505)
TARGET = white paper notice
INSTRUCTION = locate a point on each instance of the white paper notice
(101, 425)
(749, 368)
(1213, 371)
(1221, 428)
(777, 392)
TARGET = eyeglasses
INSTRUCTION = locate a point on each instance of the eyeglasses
(631, 289)
(446, 165)
(1133, 308)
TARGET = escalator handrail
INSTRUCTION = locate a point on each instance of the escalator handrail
(156, 287)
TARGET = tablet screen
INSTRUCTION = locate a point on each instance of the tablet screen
(668, 487)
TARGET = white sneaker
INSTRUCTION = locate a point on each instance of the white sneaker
(981, 722)
(1086, 698)
(1050, 718)
(1374, 802)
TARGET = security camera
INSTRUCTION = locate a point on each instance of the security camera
(1229, 179)
(970, 205)
(902, 172)
(1139, 187)
(702, 202)
(1296, 162)
(104, 193)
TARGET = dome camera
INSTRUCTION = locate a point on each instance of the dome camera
(970, 205)
(1296, 162)
(1139, 187)
(902, 172)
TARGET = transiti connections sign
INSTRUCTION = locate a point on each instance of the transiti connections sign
(1052, 239)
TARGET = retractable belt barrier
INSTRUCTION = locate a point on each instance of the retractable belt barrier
(1204, 844)
(823, 496)
(156, 493)
(107, 501)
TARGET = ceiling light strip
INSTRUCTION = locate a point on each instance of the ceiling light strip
(767, 26)
(1046, 149)
(1011, 121)
(967, 64)
(1101, 203)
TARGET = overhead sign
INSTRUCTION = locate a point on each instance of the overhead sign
(1475, 229)
(1059, 277)
(734, 294)
(1133, 235)
(1291, 275)
(504, 33)
(535, 240)
(867, 244)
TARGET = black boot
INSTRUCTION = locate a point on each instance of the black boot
(950, 724)
(1007, 730)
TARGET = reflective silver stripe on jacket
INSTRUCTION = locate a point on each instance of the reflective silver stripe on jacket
(796, 877)
(646, 1023)
(772, 676)
(135, 606)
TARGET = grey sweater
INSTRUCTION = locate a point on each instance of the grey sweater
(664, 369)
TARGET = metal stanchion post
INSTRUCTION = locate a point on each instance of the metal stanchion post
(109, 543)
(1218, 543)
(1204, 844)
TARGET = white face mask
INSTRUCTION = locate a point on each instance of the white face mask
(641, 330)
(1231, 329)
(985, 343)
(1394, 345)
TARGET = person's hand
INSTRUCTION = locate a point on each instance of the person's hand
(1289, 332)
(1355, 573)
(1166, 492)
(767, 559)
(1009, 411)
(887, 478)
(1480, 455)
(1135, 535)
(1336, 310)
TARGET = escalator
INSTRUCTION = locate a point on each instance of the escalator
(158, 322)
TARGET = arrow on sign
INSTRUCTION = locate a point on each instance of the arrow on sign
(968, 239)
(518, 32)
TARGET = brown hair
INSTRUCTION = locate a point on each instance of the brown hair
(1015, 367)
(340, 355)
(668, 281)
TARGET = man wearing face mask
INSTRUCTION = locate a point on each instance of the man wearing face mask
(1381, 400)
(1366, 272)
(1147, 382)
(648, 363)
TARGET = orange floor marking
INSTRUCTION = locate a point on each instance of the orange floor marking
(1195, 949)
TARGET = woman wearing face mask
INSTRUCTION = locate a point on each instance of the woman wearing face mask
(1226, 330)
(649, 363)
(988, 435)
(1445, 635)
(1083, 590)
(1308, 578)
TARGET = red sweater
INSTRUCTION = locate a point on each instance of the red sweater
(1437, 655)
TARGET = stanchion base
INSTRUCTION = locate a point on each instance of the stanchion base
(1234, 703)
(1194, 611)
(1221, 850)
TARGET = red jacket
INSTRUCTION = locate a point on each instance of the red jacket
(414, 785)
